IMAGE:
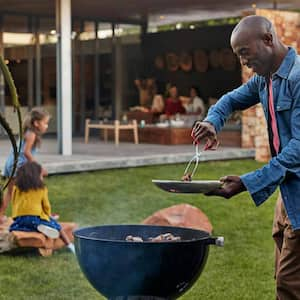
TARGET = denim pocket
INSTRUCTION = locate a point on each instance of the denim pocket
(284, 104)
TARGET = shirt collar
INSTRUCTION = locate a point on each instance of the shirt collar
(287, 64)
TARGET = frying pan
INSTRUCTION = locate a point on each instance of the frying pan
(189, 187)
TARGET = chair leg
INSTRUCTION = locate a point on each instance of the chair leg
(100, 135)
(87, 131)
(117, 131)
(135, 132)
(105, 135)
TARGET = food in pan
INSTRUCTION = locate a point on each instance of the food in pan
(164, 237)
(131, 238)
(187, 177)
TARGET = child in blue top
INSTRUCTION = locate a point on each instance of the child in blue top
(34, 126)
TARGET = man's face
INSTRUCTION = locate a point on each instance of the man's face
(255, 53)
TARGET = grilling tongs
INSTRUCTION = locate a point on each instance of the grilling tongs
(187, 175)
(186, 185)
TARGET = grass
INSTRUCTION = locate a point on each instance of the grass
(243, 269)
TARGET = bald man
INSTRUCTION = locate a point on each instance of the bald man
(276, 85)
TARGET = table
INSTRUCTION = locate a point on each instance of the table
(152, 134)
(165, 136)
(148, 117)
(116, 126)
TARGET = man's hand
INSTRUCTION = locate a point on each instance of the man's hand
(205, 130)
(232, 185)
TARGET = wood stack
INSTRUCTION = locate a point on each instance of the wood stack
(287, 25)
(21, 239)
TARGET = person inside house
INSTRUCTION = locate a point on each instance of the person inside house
(158, 104)
(194, 104)
(173, 104)
(147, 90)
(276, 85)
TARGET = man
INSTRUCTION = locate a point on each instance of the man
(277, 86)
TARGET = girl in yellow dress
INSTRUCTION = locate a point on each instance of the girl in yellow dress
(31, 208)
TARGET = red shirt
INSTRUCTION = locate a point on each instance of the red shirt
(173, 107)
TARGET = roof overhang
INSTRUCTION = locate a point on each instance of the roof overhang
(141, 11)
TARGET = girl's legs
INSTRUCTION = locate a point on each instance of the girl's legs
(53, 225)
(66, 240)
(6, 199)
(64, 237)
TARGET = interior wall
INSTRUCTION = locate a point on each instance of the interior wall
(212, 81)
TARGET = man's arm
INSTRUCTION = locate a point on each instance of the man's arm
(241, 98)
(263, 182)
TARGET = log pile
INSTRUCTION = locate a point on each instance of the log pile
(32, 240)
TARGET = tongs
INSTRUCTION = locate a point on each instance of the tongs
(187, 176)
(195, 159)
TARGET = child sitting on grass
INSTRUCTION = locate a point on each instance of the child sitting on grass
(31, 209)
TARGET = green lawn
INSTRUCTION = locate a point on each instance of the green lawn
(243, 269)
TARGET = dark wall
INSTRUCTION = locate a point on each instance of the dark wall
(214, 82)
(132, 59)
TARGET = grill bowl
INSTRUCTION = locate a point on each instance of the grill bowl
(118, 268)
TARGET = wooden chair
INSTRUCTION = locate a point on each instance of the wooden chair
(116, 126)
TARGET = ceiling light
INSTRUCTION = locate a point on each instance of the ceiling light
(178, 26)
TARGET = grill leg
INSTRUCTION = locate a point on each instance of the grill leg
(137, 298)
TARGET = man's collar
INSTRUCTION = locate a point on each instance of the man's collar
(286, 64)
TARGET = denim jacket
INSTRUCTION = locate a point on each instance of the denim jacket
(284, 168)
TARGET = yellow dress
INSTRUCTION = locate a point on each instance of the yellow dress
(33, 202)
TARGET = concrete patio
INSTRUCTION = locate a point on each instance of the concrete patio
(97, 155)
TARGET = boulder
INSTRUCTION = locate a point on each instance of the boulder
(181, 215)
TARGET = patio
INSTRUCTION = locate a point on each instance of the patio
(98, 155)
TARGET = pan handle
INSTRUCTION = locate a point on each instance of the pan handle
(218, 241)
